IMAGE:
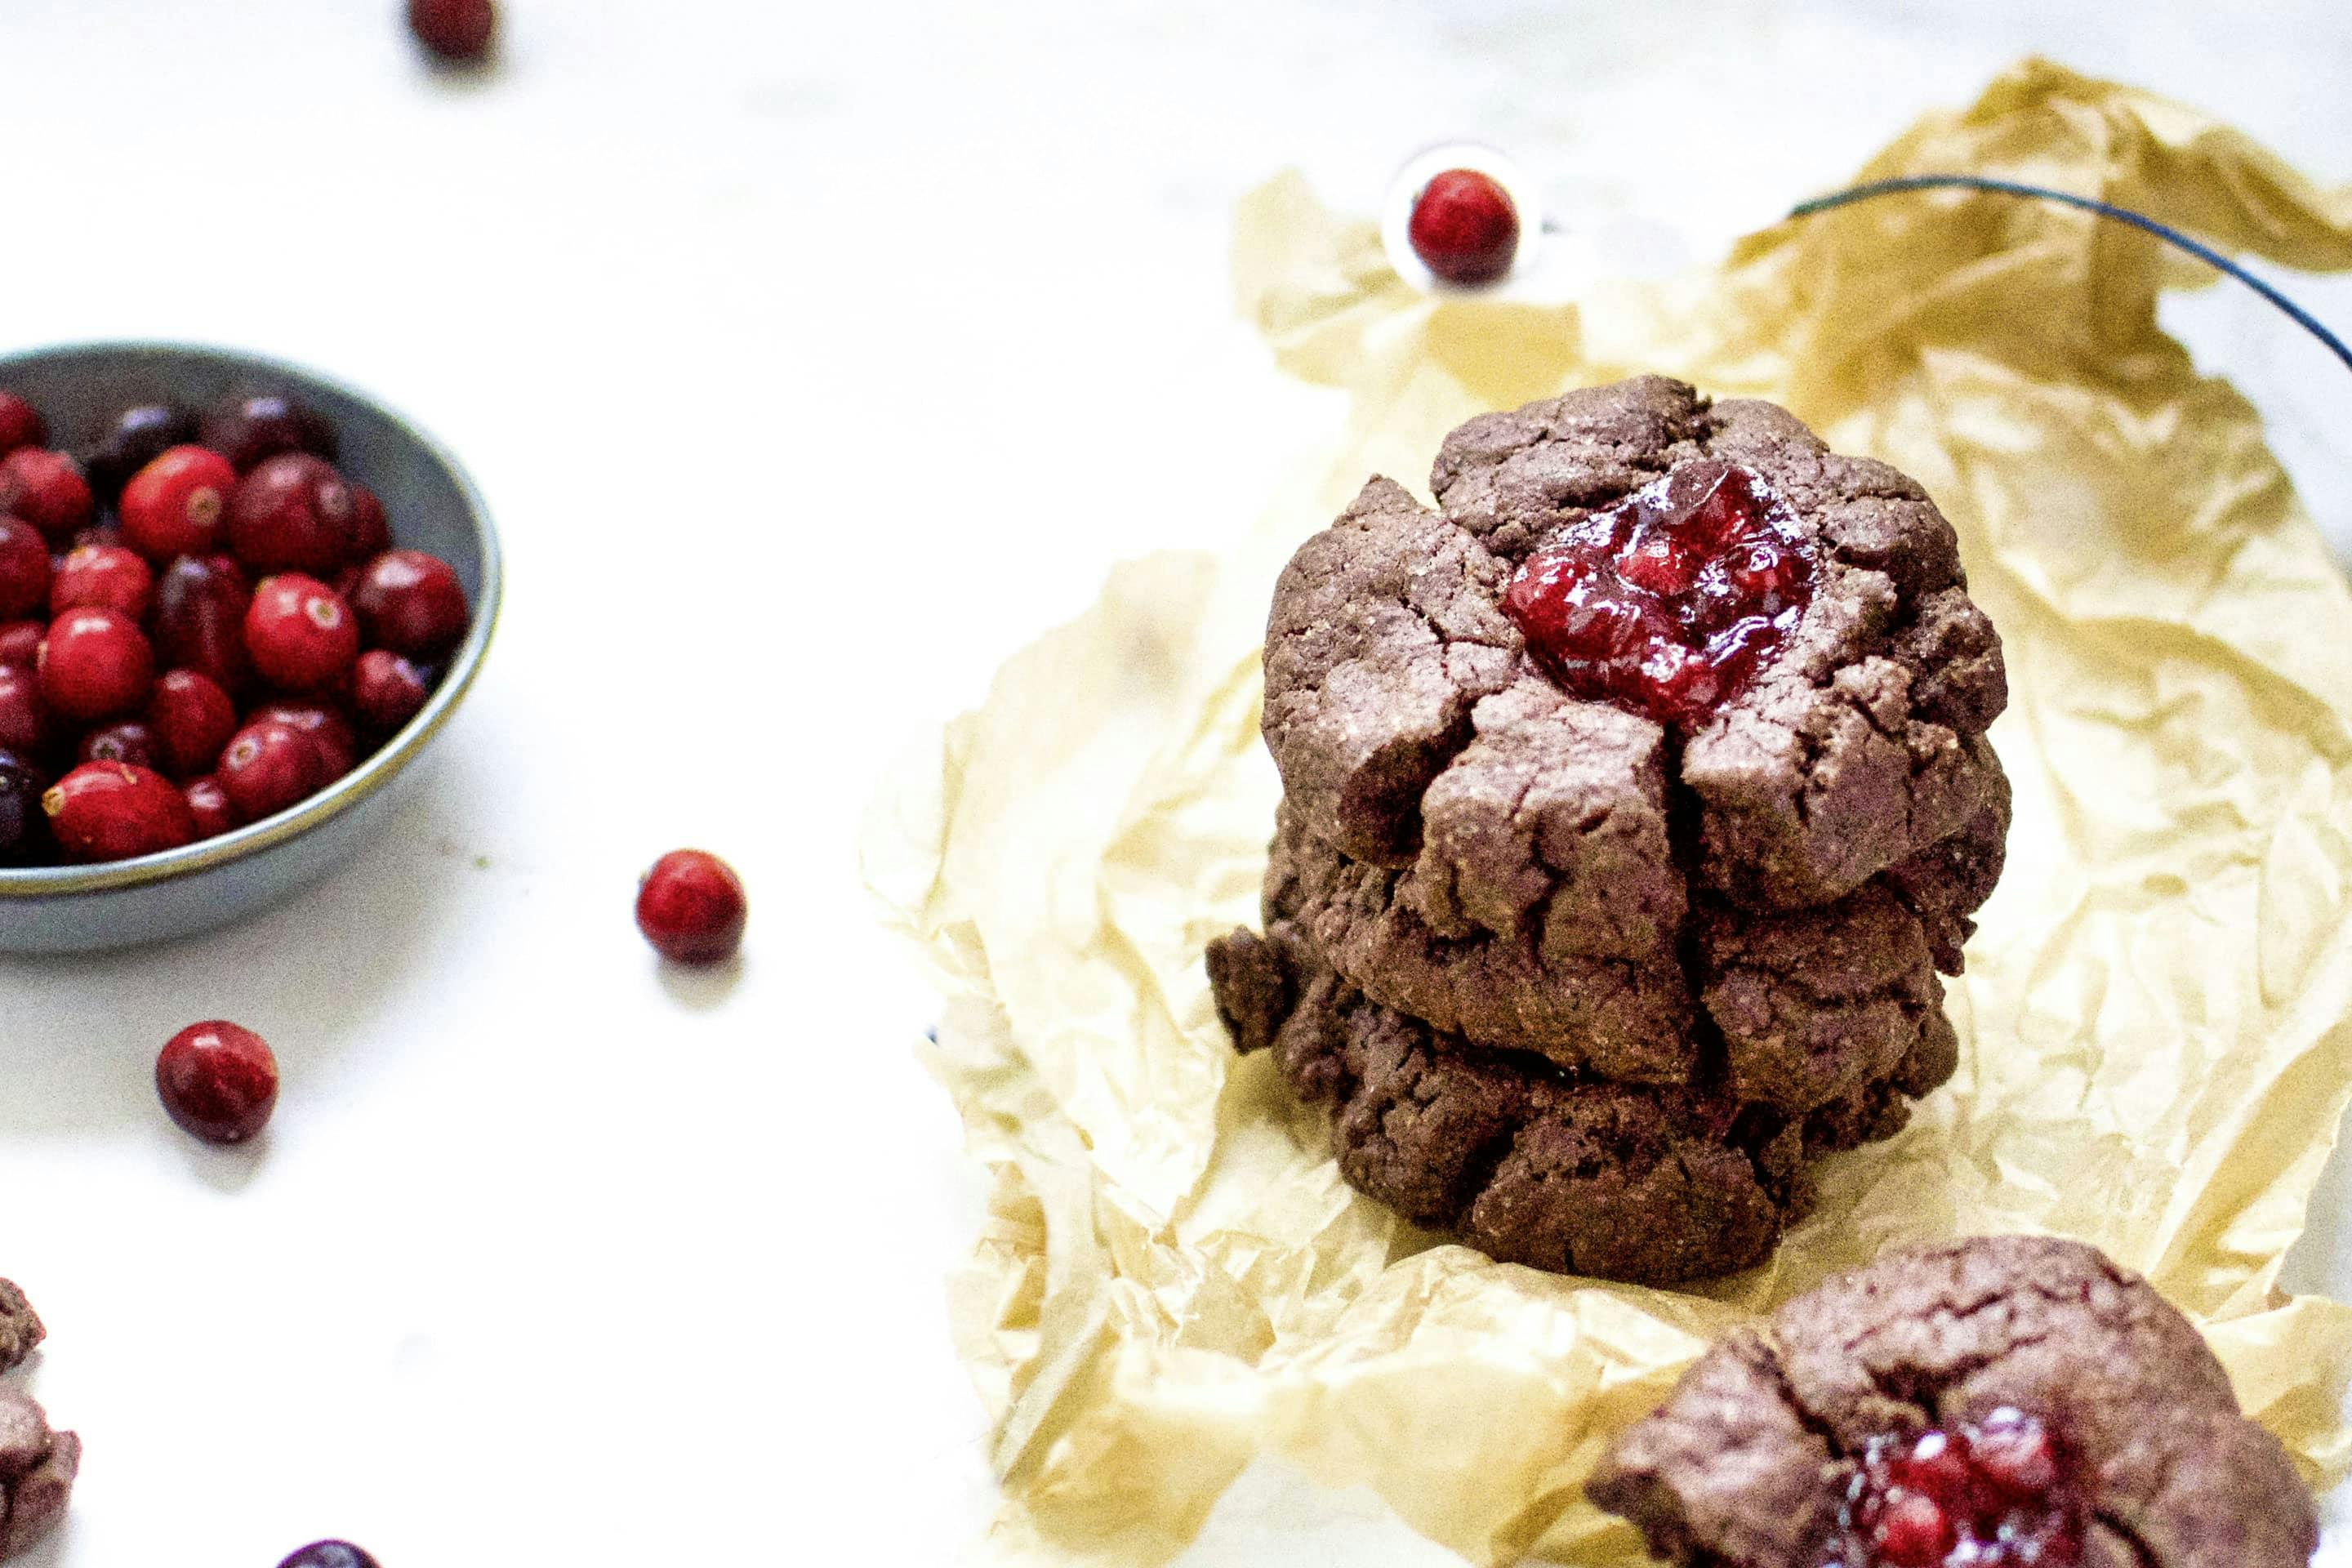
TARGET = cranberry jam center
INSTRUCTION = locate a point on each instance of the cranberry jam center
(1671, 600)
(1994, 1494)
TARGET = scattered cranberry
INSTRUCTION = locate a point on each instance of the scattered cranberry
(329, 1554)
(113, 811)
(292, 514)
(338, 744)
(300, 635)
(95, 664)
(47, 489)
(269, 766)
(134, 437)
(20, 807)
(691, 907)
(371, 529)
(1671, 600)
(1994, 1494)
(20, 424)
(251, 429)
(193, 720)
(200, 606)
(219, 1082)
(456, 31)
(102, 577)
(387, 690)
(124, 741)
(1465, 228)
(24, 569)
(20, 643)
(177, 504)
(24, 715)
(412, 604)
(210, 807)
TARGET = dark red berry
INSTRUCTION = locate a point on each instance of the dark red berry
(178, 504)
(20, 424)
(268, 766)
(219, 1082)
(200, 606)
(47, 489)
(134, 437)
(1464, 227)
(113, 811)
(387, 690)
(1992, 1494)
(691, 907)
(94, 665)
(102, 577)
(20, 807)
(370, 529)
(300, 635)
(124, 741)
(329, 1554)
(249, 428)
(24, 570)
(292, 514)
(338, 744)
(209, 806)
(411, 602)
(193, 720)
(456, 31)
(24, 712)
(20, 643)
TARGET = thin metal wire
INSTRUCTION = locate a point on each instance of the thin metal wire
(2170, 235)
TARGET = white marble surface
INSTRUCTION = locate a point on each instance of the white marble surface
(800, 350)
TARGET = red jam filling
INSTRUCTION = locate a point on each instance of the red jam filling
(1992, 1494)
(1671, 600)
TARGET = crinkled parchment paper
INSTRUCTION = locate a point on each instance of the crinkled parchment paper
(1172, 1278)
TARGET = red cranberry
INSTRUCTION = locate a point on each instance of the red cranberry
(200, 606)
(456, 31)
(387, 690)
(268, 766)
(134, 437)
(249, 428)
(299, 633)
(193, 720)
(102, 577)
(1994, 1494)
(113, 811)
(20, 807)
(1465, 228)
(124, 741)
(219, 1082)
(412, 602)
(24, 569)
(24, 715)
(47, 489)
(370, 529)
(691, 907)
(20, 643)
(177, 505)
(96, 664)
(329, 1554)
(292, 514)
(20, 424)
(210, 807)
(339, 746)
(1671, 600)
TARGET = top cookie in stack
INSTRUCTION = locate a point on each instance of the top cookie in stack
(1632, 800)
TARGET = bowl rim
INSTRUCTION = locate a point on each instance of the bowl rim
(378, 771)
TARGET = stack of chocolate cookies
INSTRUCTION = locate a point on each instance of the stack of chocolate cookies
(1633, 799)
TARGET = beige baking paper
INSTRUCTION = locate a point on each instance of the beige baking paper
(1172, 1278)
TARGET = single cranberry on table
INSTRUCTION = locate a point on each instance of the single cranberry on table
(1464, 227)
(113, 811)
(47, 489)
(329, 1554)
(269, 765)
(300, 635)
(193, 720)
(411, 602)
(20, 643)
(102, 577)
(691, 907)
(96, 664)
(200, 606)
(20, 807)
(387, 690)
(134, 437)
(21, 424)
(456, 31)
(249, 428)
(24, 713)
(218, 1080)
(338, 743)
(293, 513)
(24, 570)
(210, 807)
(124, 741)
(178, 504)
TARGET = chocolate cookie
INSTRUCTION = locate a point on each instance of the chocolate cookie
(37, 1467)
(2007, 1400)
(20, 1327)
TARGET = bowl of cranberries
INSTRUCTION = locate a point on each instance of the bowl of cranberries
(237, 600)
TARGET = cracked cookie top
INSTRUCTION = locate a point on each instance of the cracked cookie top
(1999, 1401)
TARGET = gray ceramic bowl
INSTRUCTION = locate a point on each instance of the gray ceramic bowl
(431, 506)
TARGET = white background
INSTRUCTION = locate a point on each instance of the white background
(813, 357)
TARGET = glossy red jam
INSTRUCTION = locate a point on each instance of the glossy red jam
(1992, 1494)
(1670, 601)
